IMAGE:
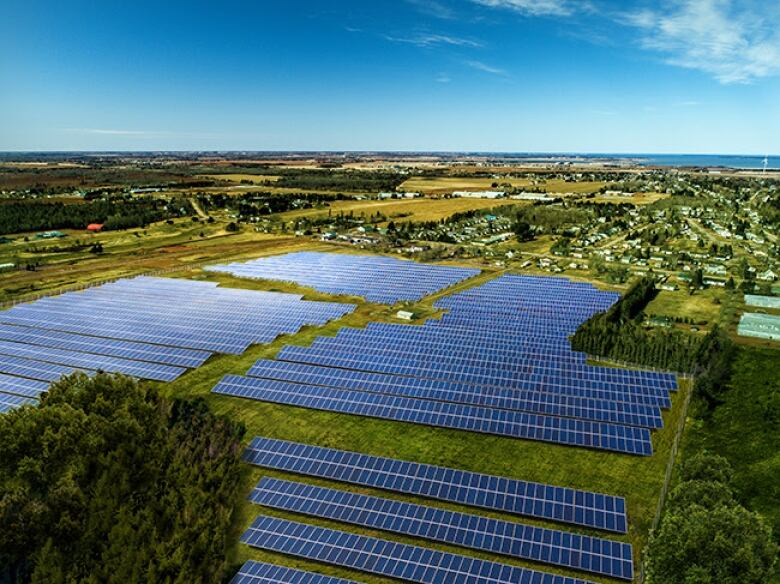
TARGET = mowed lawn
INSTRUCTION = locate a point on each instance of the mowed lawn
(639, 479)
(399, 210)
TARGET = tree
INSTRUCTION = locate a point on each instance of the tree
(723, 545)
(107, 482)
(232, 227)
(705, 537)
(523, 231)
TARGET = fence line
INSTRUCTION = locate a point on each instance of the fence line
(101, 282)
(667, 476)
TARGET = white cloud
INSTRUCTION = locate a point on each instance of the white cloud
(430, 40)
(443, 78)
(733, 44)
(539, 7)
(433, 8)
(485, 68)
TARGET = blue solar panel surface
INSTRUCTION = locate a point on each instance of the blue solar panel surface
(549, 546)
(498, 361)
(386, 558)
(377, 278)
(150, 328)
(564, 505)
(253, 572)
(626, 439)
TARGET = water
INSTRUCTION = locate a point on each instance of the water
(672, 160)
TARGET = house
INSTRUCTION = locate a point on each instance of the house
(768, 276)
(404, 315)
(95, 227)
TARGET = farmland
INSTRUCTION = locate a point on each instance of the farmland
(606, 229)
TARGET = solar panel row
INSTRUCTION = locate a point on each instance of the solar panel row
(488, 355)
(559, 504)
(253, 572)
(377, 278)
(618, 438)
(150, 328)
(512, 399)
(386, 558)
(560, 548)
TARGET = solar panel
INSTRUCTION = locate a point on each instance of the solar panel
(560, 548)
(583, 433)
(150, 328)
(440, 390)
(253, 572)
(386, 558)
(377, 278)
(560, 504)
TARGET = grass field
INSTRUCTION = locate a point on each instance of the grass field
(447, 184)
(253, 178)
(639, 479)
(422, 209)
(703, 307)
(128, 252)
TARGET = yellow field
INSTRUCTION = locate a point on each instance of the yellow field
(636, 198)
(257, 179)
(422, 209)
(447, 184)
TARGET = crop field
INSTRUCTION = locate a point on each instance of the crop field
(446, 184)
(253, 178)
(421, 209)
(639, 479)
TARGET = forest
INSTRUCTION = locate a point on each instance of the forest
(106, 481)
(18, 216)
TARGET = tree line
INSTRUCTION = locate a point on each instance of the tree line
(115, 213)
(106, 481)
(705, 535)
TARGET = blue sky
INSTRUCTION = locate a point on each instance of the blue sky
(676, 76)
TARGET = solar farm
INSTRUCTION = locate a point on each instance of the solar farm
(376, 278)
(149, 328)
(493, 371)
(498, 362)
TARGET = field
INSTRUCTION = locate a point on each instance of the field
(128, 252)
(421, 209)
(703, 307)
(639, 479)
(443, 185)
(253, 178)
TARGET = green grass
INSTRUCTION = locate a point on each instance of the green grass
(639, 479)
(745, 430)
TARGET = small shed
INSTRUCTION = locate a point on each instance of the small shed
(404, 315)
(95, 227)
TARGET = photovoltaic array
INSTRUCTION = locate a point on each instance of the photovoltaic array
(150, 328)
(253, 572)
(386, 558)
(547, 502)
(379, 279)
(499, 362)
(595, 555)
(579, 552)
